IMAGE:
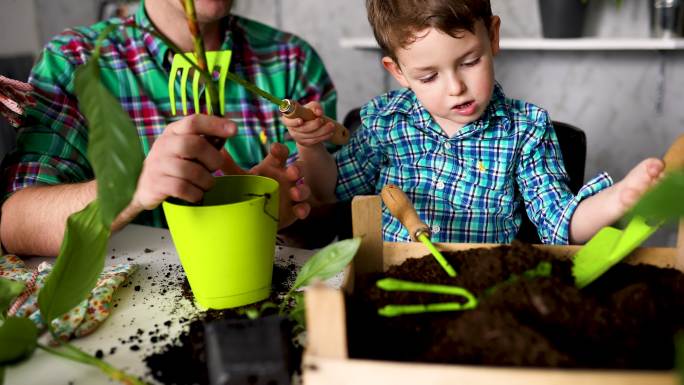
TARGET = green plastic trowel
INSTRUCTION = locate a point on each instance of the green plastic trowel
(611, 244)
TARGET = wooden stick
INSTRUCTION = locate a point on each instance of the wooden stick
(326, 322)
(367, 224)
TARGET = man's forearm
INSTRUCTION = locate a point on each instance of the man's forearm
(33, 219)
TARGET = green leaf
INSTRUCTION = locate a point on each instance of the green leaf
(664, 201)
(679, 355)
(8, 291)
(78, 266)
(113, 146)
(18, 339)
(543, 269)
(252, 313)
(298, 311)
(327, 262)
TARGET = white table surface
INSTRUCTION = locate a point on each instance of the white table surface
(153, 251)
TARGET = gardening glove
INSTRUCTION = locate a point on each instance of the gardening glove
(14, 96)
(79, 321)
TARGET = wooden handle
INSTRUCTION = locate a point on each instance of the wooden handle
(402, 208)
(674, 158)
(296, 110)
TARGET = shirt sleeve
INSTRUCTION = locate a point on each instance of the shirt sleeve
(543, 183)
(51, 146)
(359, 162)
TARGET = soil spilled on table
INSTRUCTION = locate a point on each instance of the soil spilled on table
(625, 319)
(182, 360)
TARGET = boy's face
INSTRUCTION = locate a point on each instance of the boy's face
(452, 77)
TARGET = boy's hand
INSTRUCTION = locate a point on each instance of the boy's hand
(312, 132)
(638, 181)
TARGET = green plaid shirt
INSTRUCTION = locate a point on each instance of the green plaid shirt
(51, 149)
(471, 187)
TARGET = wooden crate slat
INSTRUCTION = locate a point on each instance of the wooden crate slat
(321, 370)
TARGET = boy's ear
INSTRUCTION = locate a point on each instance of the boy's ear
(494, 26)
(393, 68)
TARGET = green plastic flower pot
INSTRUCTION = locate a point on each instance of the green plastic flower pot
(227, 244)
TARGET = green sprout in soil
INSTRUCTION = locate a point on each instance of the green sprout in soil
(324, 264)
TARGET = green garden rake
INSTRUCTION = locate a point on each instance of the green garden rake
(543, 269)
(218, 62)
(393, 284)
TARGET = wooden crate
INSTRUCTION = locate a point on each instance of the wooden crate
(326, 361)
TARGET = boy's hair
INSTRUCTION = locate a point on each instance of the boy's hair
(396, 22)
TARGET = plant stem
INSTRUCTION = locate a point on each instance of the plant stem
(73, 353)
(189, 6)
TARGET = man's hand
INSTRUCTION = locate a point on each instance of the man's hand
(181, 161)
(293, 193)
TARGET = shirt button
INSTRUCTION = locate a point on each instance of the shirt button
(435, 229)
(440, 185)
(447, 145)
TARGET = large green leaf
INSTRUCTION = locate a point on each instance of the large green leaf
(18, 339)
(78, 266)
(113, 146)
(679, 355)
(298, 311)
(665, 201)
(8, 291)
(327, 262)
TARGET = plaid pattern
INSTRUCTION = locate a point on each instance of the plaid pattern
(471, 187)
(135, 68)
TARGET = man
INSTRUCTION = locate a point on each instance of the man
(48, 177)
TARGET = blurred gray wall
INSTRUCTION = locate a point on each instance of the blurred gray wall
(629, 103)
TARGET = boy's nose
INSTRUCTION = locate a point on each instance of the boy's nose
(456, 86)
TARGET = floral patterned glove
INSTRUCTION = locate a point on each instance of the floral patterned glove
(14, 96)
(82, 319)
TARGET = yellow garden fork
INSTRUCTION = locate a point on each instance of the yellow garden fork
(216, 61)
(219, 61)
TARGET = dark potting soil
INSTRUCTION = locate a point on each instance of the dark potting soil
(626, 319)
(183, 360)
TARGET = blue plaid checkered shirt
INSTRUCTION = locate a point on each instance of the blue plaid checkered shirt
(471, 187)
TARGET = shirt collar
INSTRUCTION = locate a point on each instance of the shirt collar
(405, 102)
(159, 50)
(495, 113)
(496, 110)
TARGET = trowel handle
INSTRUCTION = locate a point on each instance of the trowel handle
(402, 208)
(295, 110)
(674, 157)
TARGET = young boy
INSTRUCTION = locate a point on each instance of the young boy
(467, 156)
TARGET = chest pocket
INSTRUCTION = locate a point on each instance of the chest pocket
(485, 183)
